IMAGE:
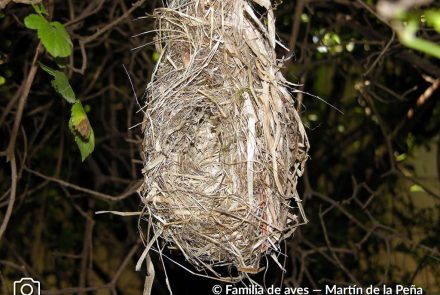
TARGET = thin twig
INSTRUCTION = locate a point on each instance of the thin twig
(96, 194)
(12, 196)
(10, 151)
(83, 41)
(296, 22)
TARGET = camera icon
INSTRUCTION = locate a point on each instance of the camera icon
(27, 286)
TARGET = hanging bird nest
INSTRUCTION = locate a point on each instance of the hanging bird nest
(223, 144)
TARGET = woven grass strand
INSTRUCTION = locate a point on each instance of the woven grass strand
(223, 144)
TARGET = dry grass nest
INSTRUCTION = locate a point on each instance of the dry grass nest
(223, 144)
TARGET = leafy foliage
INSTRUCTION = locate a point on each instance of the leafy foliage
(407, 24)
(433, 18)
(80, 126)
(61, 84)
(53, 35)
(57, 42)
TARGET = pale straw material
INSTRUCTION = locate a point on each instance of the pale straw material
(223, 144)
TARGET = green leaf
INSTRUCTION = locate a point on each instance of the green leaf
(40, 9)
(415, 188)
(79, 123)
(56, 39)
(156, 56)
(408, 37)
(62, 86)
(82, 130)
(60, 83)
(35, 21)
(433, 18)
(47, 69)
(401, 157)
(53, 35)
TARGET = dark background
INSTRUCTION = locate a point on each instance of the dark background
(371, 189)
